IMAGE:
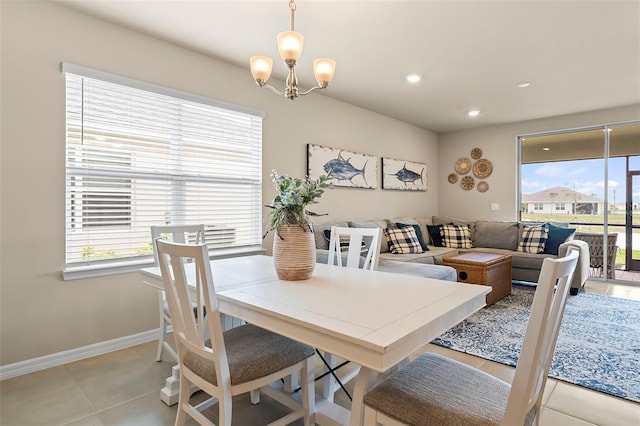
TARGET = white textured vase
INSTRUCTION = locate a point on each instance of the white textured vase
(294, 252)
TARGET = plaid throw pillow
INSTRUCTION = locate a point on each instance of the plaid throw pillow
(456, 236)
(403, 241)
(534, 238)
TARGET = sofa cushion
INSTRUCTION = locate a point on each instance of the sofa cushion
(493, 234)
(384, 243)
(434, 255)
(533, 239)
(318, 233)
(438, 272)
(423, 222)
(522, 260)
(403, 241)
(557, 235)
(416, 228)
(435, 235)
(456, 236)
(444, 220)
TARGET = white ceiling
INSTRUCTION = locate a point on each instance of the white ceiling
(578, 55)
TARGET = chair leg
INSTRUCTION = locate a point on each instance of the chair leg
(225, 409)
(163, 332)
(369, 418)
(185, 393)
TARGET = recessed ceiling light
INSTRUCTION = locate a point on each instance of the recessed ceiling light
(413, 78)
(473, 113)
(523, 84)
(546, 148)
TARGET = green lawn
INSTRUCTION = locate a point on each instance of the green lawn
(620, 255)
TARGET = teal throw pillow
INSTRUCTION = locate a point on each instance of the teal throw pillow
(556, 236)
(416, 227)
(434, 234)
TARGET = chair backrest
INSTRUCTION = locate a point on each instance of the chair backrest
(355, 240)
(540, 338)
(186, 234)
(185, 288)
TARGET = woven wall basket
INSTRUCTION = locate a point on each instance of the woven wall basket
(294, 255)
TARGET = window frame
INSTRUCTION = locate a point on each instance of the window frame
(79, 270)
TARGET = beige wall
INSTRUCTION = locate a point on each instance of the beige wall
(499, 145)
(39, 313)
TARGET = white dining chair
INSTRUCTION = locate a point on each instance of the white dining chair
(349, 243)
(181, 234)
(352, 241)
(240, 360)
(436, 390)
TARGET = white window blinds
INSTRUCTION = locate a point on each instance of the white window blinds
(137, 158)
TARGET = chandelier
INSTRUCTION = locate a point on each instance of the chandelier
(290, 48)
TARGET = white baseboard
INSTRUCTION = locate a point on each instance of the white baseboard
(41, 363)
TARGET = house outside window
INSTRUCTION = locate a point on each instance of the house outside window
(140, 155)
(538, 206)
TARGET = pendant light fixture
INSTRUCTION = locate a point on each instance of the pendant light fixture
(290, 48)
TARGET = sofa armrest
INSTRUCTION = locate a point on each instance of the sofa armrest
(581, 274)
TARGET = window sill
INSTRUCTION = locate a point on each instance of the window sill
(83, 272)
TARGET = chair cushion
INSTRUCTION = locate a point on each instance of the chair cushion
(435, 390)
(252, 353)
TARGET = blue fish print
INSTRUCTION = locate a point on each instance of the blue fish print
(408, 176)
(342, 169)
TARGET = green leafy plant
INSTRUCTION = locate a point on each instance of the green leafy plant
(294, 194)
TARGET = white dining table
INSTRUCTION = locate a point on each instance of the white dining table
(372, 318)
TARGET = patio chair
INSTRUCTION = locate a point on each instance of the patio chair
(437, 390)
(596, 250)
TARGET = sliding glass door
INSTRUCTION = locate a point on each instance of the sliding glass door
(588, 179)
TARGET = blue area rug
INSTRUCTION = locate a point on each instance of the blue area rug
(598, 346)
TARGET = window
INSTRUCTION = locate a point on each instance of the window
(588, 178)
(538, 206)
(140, 155)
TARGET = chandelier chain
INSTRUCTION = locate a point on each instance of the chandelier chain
(292, 6)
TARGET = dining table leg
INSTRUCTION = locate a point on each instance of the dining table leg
(364, 380)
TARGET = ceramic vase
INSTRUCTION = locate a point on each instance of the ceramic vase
(294, 252)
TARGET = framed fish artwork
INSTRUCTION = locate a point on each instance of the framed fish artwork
(348, 169)
(404, 175)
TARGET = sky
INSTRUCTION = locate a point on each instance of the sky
(585, 176)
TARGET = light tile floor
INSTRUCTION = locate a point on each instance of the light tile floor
(122, 388)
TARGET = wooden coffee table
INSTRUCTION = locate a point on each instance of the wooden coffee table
(488, 269)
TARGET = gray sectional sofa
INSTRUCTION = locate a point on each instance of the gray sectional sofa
(486, 236)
